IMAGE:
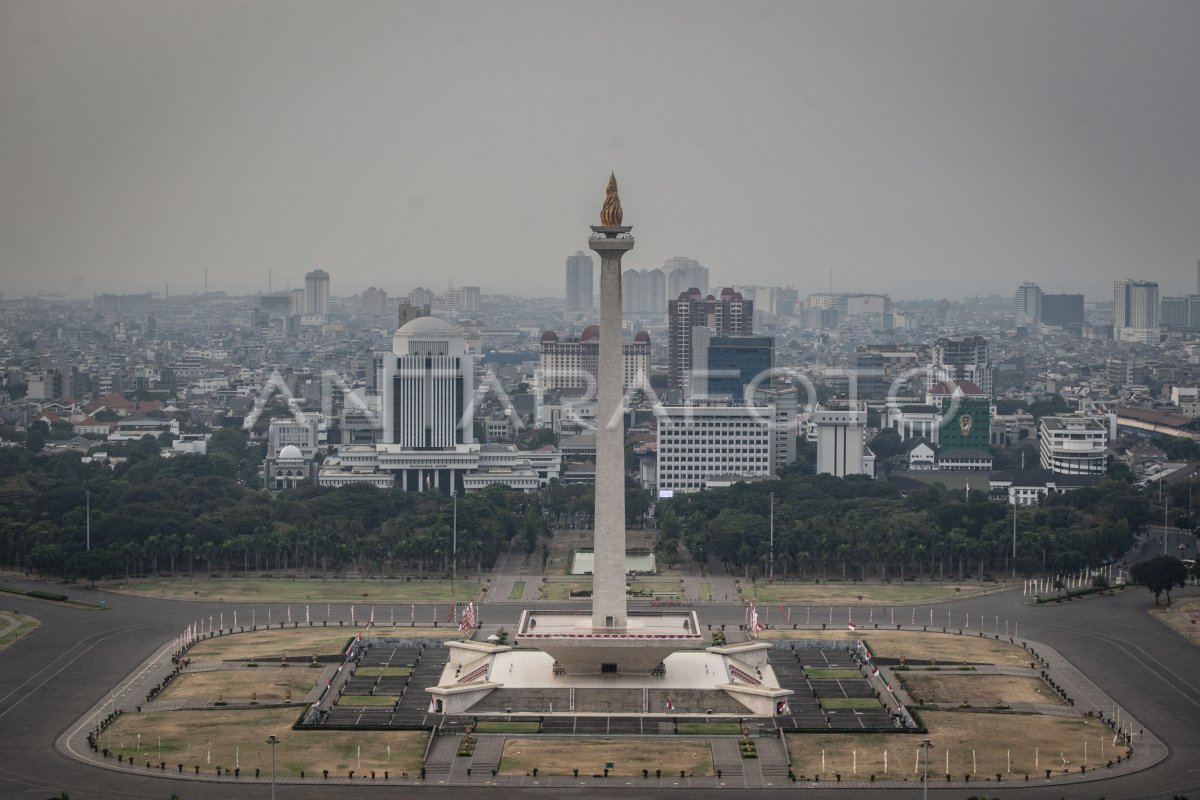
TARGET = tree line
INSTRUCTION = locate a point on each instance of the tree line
(857, 528)
(198, 514)
(195, 514)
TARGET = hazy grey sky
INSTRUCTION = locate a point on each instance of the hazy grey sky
(917, 148)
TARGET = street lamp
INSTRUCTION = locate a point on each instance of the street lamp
(89, 521)
(771, 565)
(454, 545)
(925, 745)
(1014, 542)
(271, 740)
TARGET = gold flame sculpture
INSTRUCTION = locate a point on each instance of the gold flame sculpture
(610, 213)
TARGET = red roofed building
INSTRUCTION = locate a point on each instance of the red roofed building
(574, 363)
(945, 390)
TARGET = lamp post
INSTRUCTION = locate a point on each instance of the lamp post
(1014, 542)
(771, 565)
(454, 544)
(271, 740)
(89, 521)
(925, 745)
(1166, 509)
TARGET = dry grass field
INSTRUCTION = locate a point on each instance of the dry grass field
(944, 647)
(976, 689)
(629, 757)
(227, 738)
(269, 683)
(1034, 743)
(270, 645)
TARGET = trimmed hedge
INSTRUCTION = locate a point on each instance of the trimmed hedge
(38, 593)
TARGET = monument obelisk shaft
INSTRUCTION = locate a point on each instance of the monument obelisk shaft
(611, 240)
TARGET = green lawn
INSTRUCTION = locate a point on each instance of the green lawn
(843, 594)
(302, 590)
(831, 674)
(383, 672)
(561, 590)
(517, 591)
(708, 728)
(500, 726)
(849, 702)
(357, 700)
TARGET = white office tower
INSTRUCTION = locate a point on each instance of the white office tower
(427, 386)
(1136, 311)
(316, 292)
(841, 427)
(1028, 305)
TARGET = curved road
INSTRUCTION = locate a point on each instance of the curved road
(53, 675)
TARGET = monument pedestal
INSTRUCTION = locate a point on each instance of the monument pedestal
(583, 649)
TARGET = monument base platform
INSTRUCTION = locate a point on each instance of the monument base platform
(639, 647)
(482, 679)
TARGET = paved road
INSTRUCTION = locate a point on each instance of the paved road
(56, 673)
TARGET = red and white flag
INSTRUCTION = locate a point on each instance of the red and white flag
(452, 613)
(874, 671)
(754, 627)
(781, 707)
(468, 618)
(851, 625)
(670, 705)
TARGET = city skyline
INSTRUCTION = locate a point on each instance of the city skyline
(886, 146)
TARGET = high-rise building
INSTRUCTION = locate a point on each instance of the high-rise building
(735, 440)
(643, 291)
(579, 282)
(374, 302)
(316, 292)
(421, 297)
(724, 365)
(730, 313)
(1028, 305)
(784, 400)
(574, 363)
(427, 383)
(277, 304)
(1062, 309)
(463, 301)
(1181, 313)
(1136, 311)
(407, 312)
(683, 273)
(296, 302)
(964, 358)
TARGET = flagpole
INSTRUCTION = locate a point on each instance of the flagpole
(454, 544)
(771, 564)
(1014, 538)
